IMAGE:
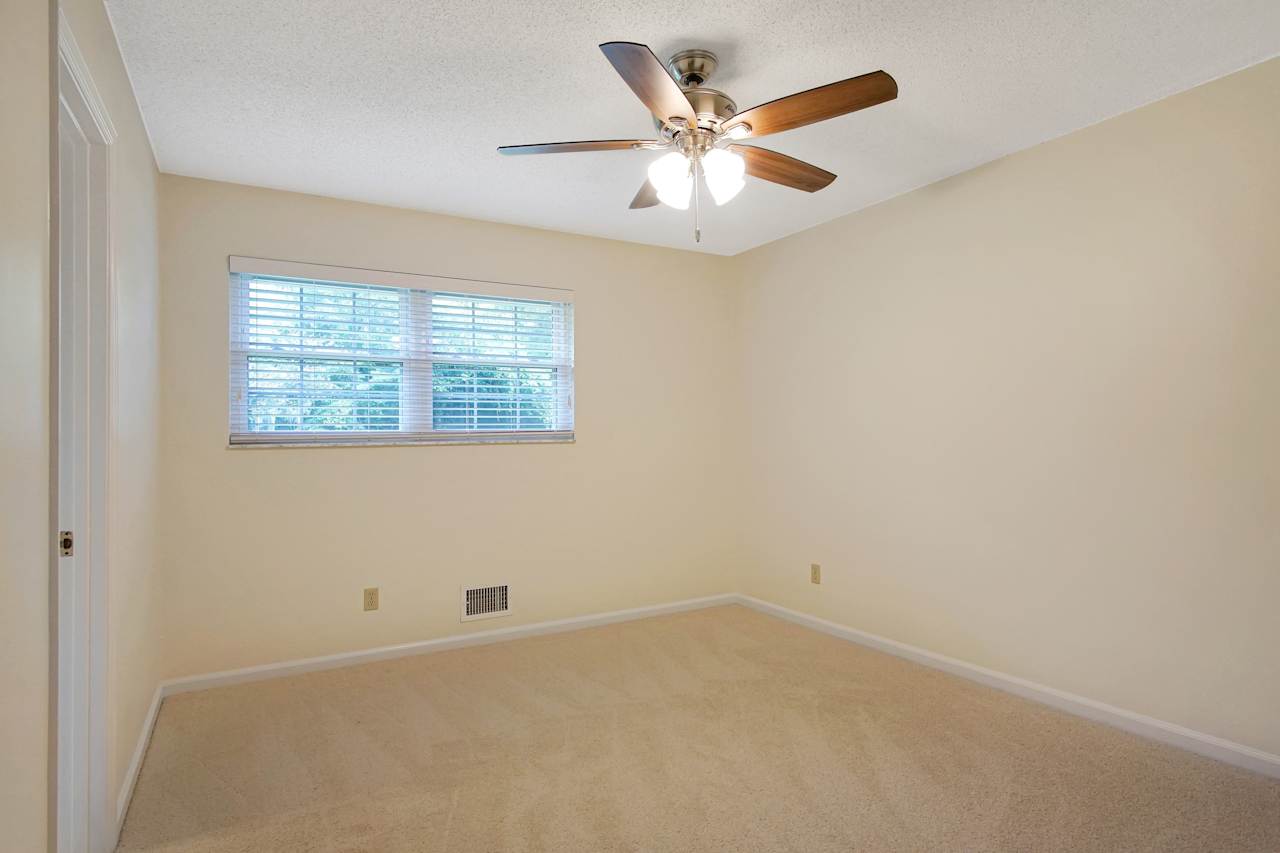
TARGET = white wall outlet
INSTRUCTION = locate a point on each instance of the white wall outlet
(371, 598)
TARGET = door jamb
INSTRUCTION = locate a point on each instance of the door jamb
(77, 92)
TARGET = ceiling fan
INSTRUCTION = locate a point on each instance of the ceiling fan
(699, 128)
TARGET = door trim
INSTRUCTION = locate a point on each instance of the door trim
(79, 97)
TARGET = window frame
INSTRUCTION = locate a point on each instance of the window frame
(419, 364)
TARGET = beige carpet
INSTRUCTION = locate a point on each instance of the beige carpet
(719, 729)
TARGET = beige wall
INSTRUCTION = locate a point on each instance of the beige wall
(266, 551)
(1028, 416)
(24, 429)
(134, 608)
(1024, 417)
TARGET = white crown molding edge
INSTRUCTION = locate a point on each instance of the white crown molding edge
(1207, 745)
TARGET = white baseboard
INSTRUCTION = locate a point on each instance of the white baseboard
(135, 763)
(1131, 721)
(1139, 724)
(455, 641)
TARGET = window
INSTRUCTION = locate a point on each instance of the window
(328, 355)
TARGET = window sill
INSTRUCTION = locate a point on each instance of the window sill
(261, 441)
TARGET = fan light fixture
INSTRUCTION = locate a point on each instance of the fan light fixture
(672, 176)
(723, 171)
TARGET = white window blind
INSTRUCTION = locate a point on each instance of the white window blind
(329, 355)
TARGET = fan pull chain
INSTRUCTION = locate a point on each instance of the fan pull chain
(697, 208)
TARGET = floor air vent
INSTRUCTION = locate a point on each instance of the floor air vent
(484, 602)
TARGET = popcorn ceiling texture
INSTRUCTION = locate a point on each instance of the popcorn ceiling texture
(402, 102)
(721, 729)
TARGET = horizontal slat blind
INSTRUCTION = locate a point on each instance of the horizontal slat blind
(321, 361)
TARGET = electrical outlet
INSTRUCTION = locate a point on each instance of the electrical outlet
(371, 598)
(815, 573)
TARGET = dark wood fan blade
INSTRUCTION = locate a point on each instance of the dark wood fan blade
(570, 147)
(820, 104)
(650, 81)
(781, 169)
(646, 197)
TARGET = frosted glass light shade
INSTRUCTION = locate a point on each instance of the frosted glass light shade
(670, 176)
(723, 171)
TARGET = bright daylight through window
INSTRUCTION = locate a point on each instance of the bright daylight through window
(337, 356)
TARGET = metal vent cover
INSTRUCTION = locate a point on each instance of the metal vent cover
(485, 602)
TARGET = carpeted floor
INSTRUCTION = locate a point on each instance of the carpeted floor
(719, 729)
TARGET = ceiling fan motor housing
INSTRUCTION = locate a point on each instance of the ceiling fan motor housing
(711, 104)
(692, 68)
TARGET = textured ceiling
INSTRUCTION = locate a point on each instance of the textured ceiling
(402, 102)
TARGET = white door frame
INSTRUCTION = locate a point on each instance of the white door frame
(83, 384)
